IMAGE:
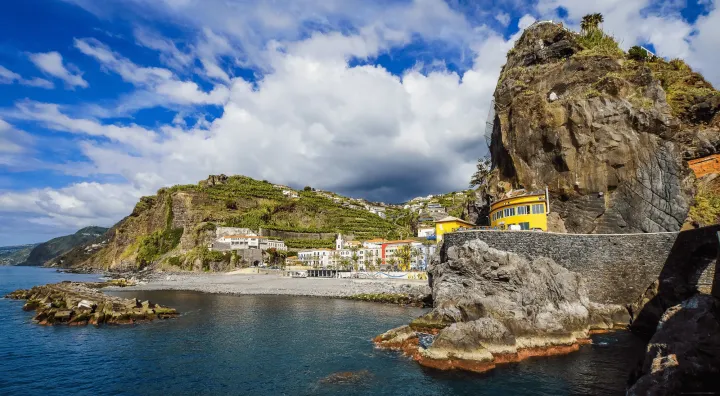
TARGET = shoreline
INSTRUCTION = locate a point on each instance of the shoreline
(271, 284)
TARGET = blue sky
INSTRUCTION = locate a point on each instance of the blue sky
(103, 102)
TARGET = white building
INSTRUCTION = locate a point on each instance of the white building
(290, 194)
(424, 232)
(237, 242)
(318, 258)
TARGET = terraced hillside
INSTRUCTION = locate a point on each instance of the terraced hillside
(174, 227)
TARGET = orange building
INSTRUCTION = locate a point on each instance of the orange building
(705, 165)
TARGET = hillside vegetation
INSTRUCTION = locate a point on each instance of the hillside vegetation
(43, 252)
(173, 228)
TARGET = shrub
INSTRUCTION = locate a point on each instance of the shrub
(156, 244)
(231, 204)
(596, 42)
(307, 188)
(638, 53)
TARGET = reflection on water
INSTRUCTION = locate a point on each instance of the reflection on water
(266, 345)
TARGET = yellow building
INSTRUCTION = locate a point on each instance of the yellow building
(449, 224)
(522, 212)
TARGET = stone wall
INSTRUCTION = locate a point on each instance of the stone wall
(617, 268)
(296, 235)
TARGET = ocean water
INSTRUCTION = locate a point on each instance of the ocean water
(265, 345)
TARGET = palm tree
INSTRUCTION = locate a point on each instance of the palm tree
(355, 257)
(378, 262)
(405, 255)
(591, 22)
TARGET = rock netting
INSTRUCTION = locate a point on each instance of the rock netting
(492, 306)
(79, 304)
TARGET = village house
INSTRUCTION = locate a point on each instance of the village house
(521, 211)
(449, 224)
(239, 242)
(424, 232)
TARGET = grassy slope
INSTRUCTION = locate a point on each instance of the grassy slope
(174, 226)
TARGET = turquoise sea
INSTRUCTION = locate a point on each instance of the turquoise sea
(265, 345)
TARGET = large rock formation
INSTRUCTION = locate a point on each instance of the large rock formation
(492, 306)
(683, 356)
(606, 134)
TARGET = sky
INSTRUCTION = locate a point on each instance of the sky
(102, 102)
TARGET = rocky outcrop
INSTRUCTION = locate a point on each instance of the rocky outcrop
(491, 307)
(601, 132)
(80, 304)
(683, 356)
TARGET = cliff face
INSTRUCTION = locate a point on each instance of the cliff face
(174, 227)
(606, 134)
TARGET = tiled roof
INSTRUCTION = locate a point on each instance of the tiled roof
(451, 218)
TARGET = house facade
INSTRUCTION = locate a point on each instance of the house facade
(521, 212)
(449, 224)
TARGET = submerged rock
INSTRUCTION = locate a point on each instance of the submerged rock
(493, 306)
(346, 377)
(78, 304)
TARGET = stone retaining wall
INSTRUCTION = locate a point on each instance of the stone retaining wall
(617, 267)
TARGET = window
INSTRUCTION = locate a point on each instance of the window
(523, 210)
(525, 226)
(509, 212)
(538, 209)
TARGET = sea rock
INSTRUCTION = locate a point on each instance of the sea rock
(683, 356)
(492, 306)
(77, 304)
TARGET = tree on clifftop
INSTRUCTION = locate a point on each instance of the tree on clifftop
(591, 22)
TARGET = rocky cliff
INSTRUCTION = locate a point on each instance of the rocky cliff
(607, 134)
(174, 227)
(492, 307)
(45, 251)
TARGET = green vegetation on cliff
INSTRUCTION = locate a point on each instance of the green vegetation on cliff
(175, 227)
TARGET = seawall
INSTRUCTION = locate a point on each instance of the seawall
(617, 268)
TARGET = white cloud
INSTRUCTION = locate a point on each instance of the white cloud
(52, 64)
(160, 81)
(10, 77)
(503, 18)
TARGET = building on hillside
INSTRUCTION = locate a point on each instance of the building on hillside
(238, 242)
(449, 224)
(424, 232)
(290, 194)
(435, 208)
(377, 210)
(524, 211)
(705, 165)
(317, 258)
